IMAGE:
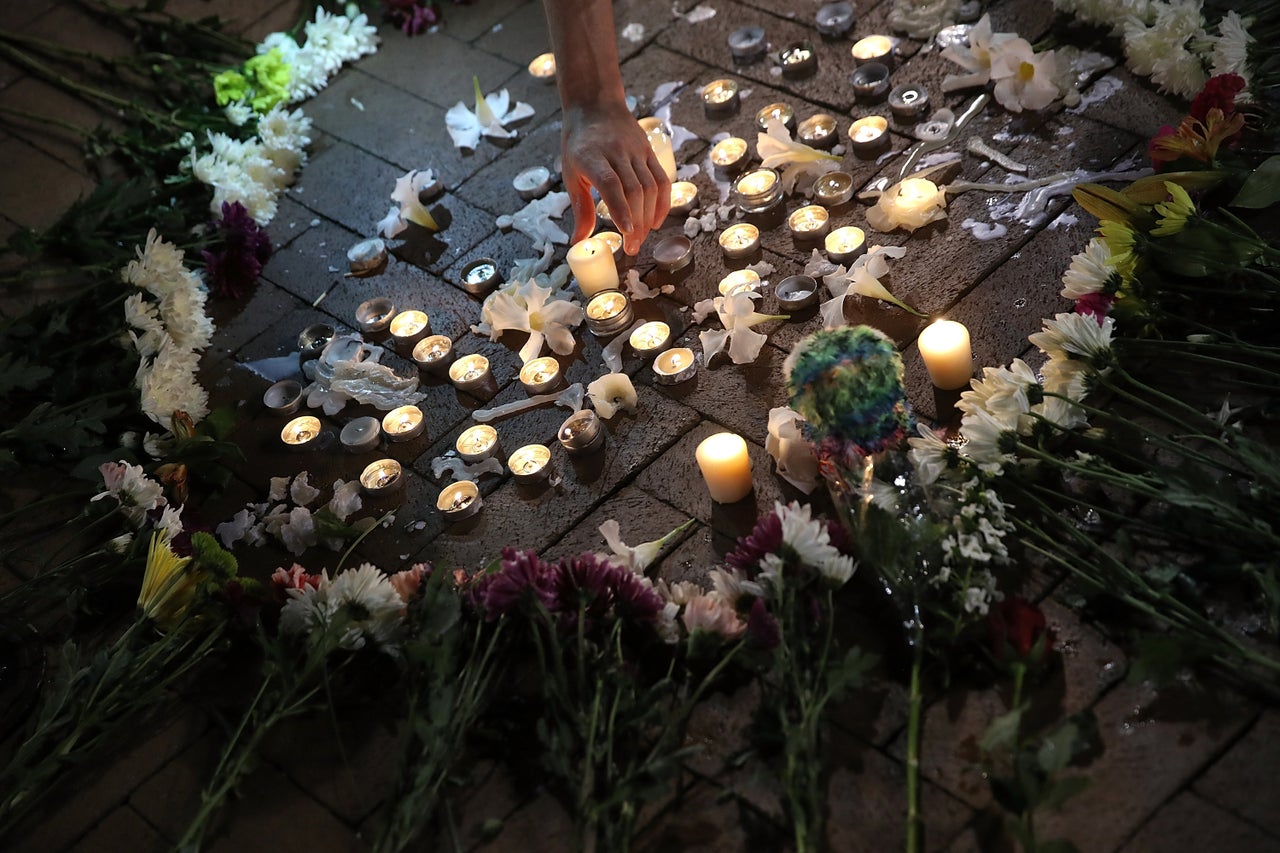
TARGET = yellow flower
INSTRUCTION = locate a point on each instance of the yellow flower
(1120, 241)
(167, 586)
(1173, 213)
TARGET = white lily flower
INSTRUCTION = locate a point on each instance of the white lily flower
(641, 556)
(1024, 78)
(492, 112)
(862, 279)
(975, 59)
(408, 194)
(930, 454)
(777, 150)
(738, 314)
(535, 220)
(531, 308)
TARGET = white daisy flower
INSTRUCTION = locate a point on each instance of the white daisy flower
(1075, 336)
(1090, 271)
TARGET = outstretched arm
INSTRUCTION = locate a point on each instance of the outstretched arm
(603, 146)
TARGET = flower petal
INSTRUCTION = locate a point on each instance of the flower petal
(463, 126)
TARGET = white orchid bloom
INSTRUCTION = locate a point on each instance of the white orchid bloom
(1024, 78)
(777, 150)
(862, 279)
(492, 112)
(641, 556)
(975, 59)
(408, 194)
(738, 314)
(531, 308)
(535, 220)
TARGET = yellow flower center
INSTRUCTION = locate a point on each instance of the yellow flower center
(1026, 71)
(535, 321)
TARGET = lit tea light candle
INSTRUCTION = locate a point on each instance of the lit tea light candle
(533, 182)
(782, 112)
(481, 276)
(909, 103)
(660, 142)
(614, 239)
(602, 212)
(373, 316)
(301, 432)
(818, 131)
(459, 500)
(809, 222)
(470, 372)
(284, 397)
(720, 98)
(675, 365)
(797, 292)
(740, 241)
(433, 354)
(873, 49)
(871, 82)
(725, 466)
(592, 264)
(540, 375)
(404, 423)
(684, 197)
(381, 478)
(757, 191)
(747, 44)
(744, 279)
(608, 312)
(312, 340)
(869, 135)
(476, 443)
(673, 253)
(798, 61)
(845, 244)
(409, 327)
(581, 433)
(360, 435)
(531, 463)
(729, 156)
(835, 19)
(543, 67)
(944, 346)
(650, 339)
(367, 257)
(833, 189)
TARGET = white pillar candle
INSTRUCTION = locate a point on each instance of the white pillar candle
(660, 142)
(944, 346)
(725, 466)
(593, 266)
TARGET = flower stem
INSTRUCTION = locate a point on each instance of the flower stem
(916, 700)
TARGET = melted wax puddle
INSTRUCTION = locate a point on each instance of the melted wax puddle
(274, 369)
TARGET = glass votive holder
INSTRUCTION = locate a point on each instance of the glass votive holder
(283, 397)
(798, 60)
(476, 443)
(909, 103)
(540, 375)
(367, 257)
(360, 435)
(469, 373)
(608, 313)
(757, 191)
(871, 82)
(780, 111)
(614, 240)
(409, 327)
(818, 131)
(533, 182)
(869, 136)
(301, 433)
(650, 338)
(373, 316)
(797, 292)
(459, 500)
(741, 240)
(673, 253)
(730, 156)
(833, 189)
(675, 365)
(480, 276)
(747, 44)
(581, 433)
(835, 19)
(845, 244)
(603, 214)
(530, 464)
(684, 198)
(433, 354)
(404, 423)
(743, 279)
(875, 48)
(381, 478)
(809, 223)
(720, 98)
(543, 67)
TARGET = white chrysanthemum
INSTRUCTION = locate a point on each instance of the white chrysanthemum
(1179, 72)
(285, 136)
(1075, 336)
(363, 599)
(170, 523)
(811, 540)
(1002, 391)
(168, 384)
(1175, 23)
(732, 586)
(1061, 413)
(135, 492)
(1090, 271)
(712, 614)
(930, 455)
(1229, 49)
(985, 437)
(142, 316)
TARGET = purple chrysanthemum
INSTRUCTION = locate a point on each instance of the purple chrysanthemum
(521, 577)
(598, 587)
(765, 538)
(414, 17)
(762, 627)
(236, 260)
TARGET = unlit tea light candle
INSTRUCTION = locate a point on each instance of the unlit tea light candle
(476, 443)
(673, 253)
(381, 477)
(592, 264)
(469, 372)
(540, 375)
(374, 315)
(725, 467)
(480, 276)
(361, 435)
(833, 189)
(533, 182)
(944, 346)
(301, 432)
(403, 423)
(284, 397)
(871, 82)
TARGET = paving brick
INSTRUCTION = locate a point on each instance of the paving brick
(490, 187)
(240, 320)
(1132, 104)
(698, 818)
(1240, 780)
(470, 21)
(519, 36)
(540, 825)
(35, 97)
(18, 17)
(35, 188)
(315, 261)
(642, 518)
(292, 220)
(1189, 823)
(280, 18)
(270, 806)
(452, 64)
(123, 829)
(69, 25)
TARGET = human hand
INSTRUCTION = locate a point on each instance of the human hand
(603, 146)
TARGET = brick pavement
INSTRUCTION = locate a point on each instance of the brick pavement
(1175, 774)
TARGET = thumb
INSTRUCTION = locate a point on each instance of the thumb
(584, 209)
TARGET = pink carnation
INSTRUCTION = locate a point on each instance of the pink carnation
(408, 582)
(712, 613)
(294, 577)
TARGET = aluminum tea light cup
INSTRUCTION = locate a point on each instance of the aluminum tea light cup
(738, 241)
(540, 375)
(833, 189)
(844, 245)
(301, 433)
(543, 67)
(809, 223)
(721, 99)
(476, 443)
(373, 316)
(650, 338)
(818, 131)
(480, 276)
(530, 464)
(673, 253)
(608, 313)
(458, 501)
(381, 478)
(470, 372)
(747, 44)
(533, 182)
(404, 423)
(284, 397)
(798, 61)
(875, 48)
(871, 82)
(312, 340)
(434, 354)
(684, 198)
(409, 327)
(730, 156)
(797, 292)
(674, 365)
(614, 239)
(361, 435)
(909, 103)
(834, 20)
(869, 136)
(780, 111)
(757, 191)
(581, 433)
(743, 279)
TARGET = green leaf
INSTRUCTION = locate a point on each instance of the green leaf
(1056, 749)
(1159, 657)
(1002, 733)
(1262, 187)
(17, 372)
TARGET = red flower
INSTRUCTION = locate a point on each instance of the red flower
(1096, 304)
(1219, 93)
(1017, 625)
(294, 577)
